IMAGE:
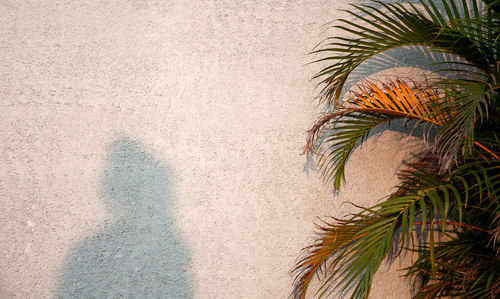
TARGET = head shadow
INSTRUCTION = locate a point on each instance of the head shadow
(138, 252)
(135, 184)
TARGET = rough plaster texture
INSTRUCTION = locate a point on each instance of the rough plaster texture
(152, 149)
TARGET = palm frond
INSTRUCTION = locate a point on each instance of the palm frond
(452, 189)
(381, 27)
(343, 129)
(350, 251)
(470, 107)
(467, 265)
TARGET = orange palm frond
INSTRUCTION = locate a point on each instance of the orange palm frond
(397, 98)
(348, 124)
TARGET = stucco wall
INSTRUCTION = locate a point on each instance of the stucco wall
(153, 148)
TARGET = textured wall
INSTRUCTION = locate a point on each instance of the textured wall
(152, 148)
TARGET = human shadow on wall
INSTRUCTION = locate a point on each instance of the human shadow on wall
(137, 254)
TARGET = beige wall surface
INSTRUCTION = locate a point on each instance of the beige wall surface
(152, 148)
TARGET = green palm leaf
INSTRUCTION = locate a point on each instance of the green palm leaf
(340, 131)
(381, 27)
(451, 190)
(396, 26)
(353, 249)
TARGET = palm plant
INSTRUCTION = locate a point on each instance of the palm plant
(447, 206)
